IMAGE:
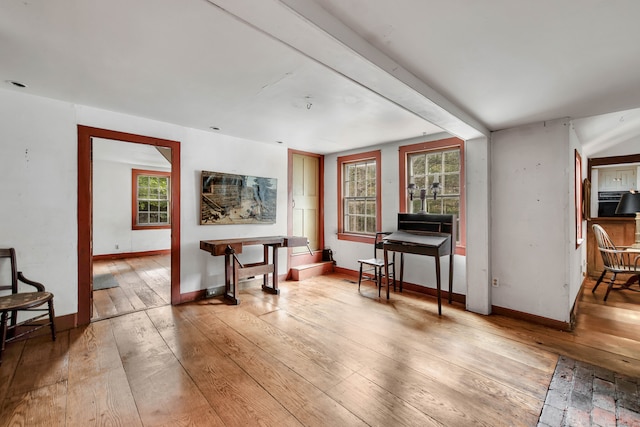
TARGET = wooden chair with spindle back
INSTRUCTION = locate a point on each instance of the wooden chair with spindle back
(616, 259)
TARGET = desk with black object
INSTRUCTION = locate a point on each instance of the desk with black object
(234, 270)
(423, 234)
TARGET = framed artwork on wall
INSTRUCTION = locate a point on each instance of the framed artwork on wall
(579, 200)
(237, 199)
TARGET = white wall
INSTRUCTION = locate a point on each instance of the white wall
(532, 214)
(200, 150)
(39, 189)
(112, 232)
(531, 179)
(478, 218)
(419, 270)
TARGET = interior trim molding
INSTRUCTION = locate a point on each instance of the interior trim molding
(85, 207)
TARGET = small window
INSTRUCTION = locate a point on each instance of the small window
(359, 193)
(151, 202)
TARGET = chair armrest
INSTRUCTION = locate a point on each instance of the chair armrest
(37, 285)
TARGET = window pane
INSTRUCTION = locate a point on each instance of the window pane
(451, 205)
(143, 218)
(417, 164)
(371, 171)
(143, 181)
(361, 174)
(452, 161)
(360, 189)
(371, 188)
(153, 218)
(143, 192)
(452, 184)
(420, 183)
(371, 208)
(371, 225)
(162, 206)
(351, 173)
(143, 206)
(434, 162)
(434, 206)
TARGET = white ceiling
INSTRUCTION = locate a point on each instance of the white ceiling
(330, 75)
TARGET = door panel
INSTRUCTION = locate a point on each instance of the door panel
(306, 201)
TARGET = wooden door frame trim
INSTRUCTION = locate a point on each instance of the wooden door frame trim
(301, 258)
(85, 209)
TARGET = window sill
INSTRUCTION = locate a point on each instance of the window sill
(360, 238)
(151, 227)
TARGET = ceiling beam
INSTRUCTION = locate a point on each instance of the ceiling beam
(312, 31)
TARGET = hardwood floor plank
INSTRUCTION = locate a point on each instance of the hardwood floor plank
(306, 402)
(323, 373)
(102, 399)
(144, 282)
(10, 359)
(98, 389)
(156, 277)
(120, 300)
(236, 397)
(92, 351)
(103, 304)
(438, 397)
(43, 363)
(151, 367)
(320, 353)
(42, 406)
(428, 339)
(376, 406)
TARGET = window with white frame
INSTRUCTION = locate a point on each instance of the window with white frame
(441, 166)
(359, 191)
(151, 201)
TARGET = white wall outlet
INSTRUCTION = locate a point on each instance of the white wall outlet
(117, 246)
(495, 283)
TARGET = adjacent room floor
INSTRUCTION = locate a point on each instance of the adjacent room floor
(320, 353)
(130, 284)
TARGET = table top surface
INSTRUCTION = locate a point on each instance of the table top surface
(247, 240)
(421, 239)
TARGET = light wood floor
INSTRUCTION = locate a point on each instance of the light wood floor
(318, 354)
(145, 282)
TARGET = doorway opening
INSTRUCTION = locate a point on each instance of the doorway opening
(131, 196)
(87, 136)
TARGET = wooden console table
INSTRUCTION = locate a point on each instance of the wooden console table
(234, 270)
